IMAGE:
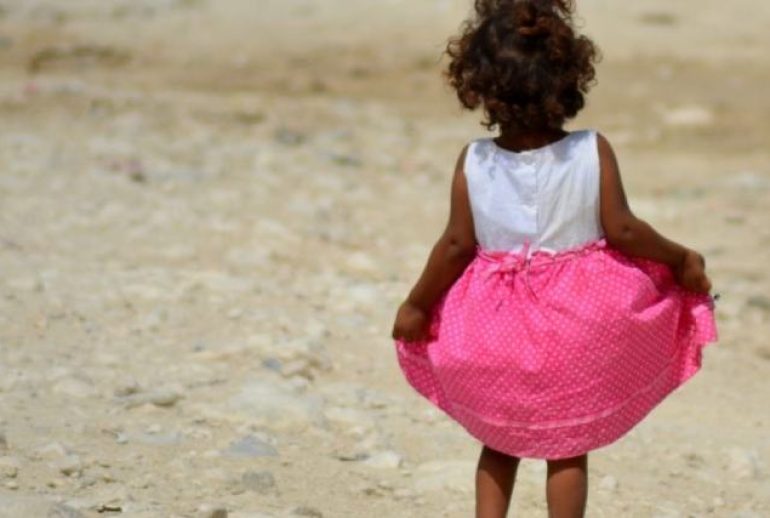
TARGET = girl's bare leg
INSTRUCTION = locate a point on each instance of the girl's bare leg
(495, 475)
(567, 487)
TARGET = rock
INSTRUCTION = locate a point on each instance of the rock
(52, 450)
(160, 397)
(258, 481)
(212, 511)
(109, 498)
(77, 56)
(351, 456)
(349, 418)
(761, 302)
(442, 475)
(743, 464)
(277, 406)
(74, 387)
(29, 506)
(362, 263)
(689, 116)
(249, 447)
(64, 511)
(300, 357)
(9, 467)
(305, 510)
(608, 483)
(70, 465)
(156, 438)
(3, 442)
(384, 460)
(666, 512)
(126, 388)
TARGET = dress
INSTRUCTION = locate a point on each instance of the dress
(552, 343)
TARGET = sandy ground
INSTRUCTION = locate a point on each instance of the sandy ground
(210, 210)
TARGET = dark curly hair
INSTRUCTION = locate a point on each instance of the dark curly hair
(523, 61)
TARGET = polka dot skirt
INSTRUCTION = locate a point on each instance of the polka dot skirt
(561, 354)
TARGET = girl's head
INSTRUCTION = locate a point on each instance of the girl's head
(523, 62)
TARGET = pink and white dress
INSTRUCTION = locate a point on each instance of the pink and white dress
(552, 343)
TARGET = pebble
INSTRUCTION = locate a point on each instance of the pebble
(161, 398)
(74, 387)
(689, 116)
(760, 302)
(384, 460)
(250, 447)
(9, 467)
(24, 506)
(212, 511)
(349, 418)
(3, 442)
(306, 510)
(444, 475)
(127, 388)
(608, 483)
(743, 464)
(71, 465)
(276, 406)
(258, 481)
(52, 450)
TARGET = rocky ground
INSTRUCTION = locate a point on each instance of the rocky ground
(210, 210)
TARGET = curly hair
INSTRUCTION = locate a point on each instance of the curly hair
(523, 61)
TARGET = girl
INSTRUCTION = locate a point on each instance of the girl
(549, 320)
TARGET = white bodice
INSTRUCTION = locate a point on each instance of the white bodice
(548, 196)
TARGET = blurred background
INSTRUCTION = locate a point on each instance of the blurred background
(209, 211)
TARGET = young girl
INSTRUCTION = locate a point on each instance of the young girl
(549, 319)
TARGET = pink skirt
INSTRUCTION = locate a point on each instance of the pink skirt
(559, 355)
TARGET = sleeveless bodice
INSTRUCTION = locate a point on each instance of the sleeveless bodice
(546, 197)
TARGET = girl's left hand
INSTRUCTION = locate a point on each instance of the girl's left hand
(411, 323)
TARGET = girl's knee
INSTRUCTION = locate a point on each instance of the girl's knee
(577, 460)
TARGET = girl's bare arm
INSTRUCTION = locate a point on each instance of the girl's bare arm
(636, 237)
(449, 257)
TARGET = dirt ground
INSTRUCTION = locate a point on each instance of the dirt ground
(209, 212)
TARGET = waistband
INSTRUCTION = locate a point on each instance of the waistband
(526, 257)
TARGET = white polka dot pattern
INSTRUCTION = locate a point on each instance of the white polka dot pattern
(559, 356)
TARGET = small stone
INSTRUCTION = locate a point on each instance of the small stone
(70, 465)
(760, 302)
(689, 116)
(306, 510)
(12, 484)
(212, 511)
(165, 398)
(258, 481)
(743, 464)
(160, 397)
(74, 387)
(384, 460)
(441, 476)
(9, 467)
(249, 447)
(3, 442)
(127, 388)
(52, 450)
(608, 483)
(235, 314)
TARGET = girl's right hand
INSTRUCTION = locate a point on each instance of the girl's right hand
(411, 323)
(691, 273)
